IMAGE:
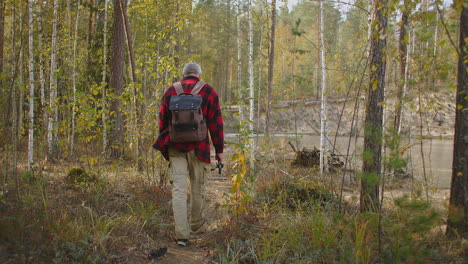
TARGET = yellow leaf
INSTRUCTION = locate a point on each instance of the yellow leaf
(459, 106)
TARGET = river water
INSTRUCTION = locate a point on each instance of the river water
(438, 155)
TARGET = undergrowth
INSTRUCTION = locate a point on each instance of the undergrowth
(298, 220)
(81, 218)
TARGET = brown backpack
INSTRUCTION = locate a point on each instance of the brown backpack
(187, 122)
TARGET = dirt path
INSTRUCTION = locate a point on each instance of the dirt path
(199, 249)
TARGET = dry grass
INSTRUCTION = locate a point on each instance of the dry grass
(121, 215)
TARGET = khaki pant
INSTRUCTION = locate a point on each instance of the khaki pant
(186, 166)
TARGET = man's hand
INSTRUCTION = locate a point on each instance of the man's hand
(219, 157)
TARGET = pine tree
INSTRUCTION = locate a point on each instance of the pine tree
(372, 156)
(457, 223)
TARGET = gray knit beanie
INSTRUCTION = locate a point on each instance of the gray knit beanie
(192, 67)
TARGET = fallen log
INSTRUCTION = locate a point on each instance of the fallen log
(311, 158)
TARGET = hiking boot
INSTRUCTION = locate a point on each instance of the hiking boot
(182, 242)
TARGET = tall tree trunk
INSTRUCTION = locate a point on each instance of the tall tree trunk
(52, 133)
(458, 208)
(104, 79)
(21, 74)
(116, 137)
(251, 89)
(239, 63)
(41, 71)
(403, 54)
(323, 106)
(136, 94)
(259, 79)
(31, 89)
(271, 64)
(90, 60)
(373, 126)
(75, 43)
(14, 127)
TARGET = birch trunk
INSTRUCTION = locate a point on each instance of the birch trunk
(31, 89)
(403, 47)
(52, 137)
(251, 89)
(323, 105)
(75, 43)
(271, 65)
(41, 72)
(239, 64)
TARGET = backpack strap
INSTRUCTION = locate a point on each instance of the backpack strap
(197, 88)
(178, 88)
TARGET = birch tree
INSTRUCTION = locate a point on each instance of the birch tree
(52, 135)
(372, 155)
(31, 88)
(41, 70)
(403, 54)
(239, 62)
(323, 103)
(251, 88)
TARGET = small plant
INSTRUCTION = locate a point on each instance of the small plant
(239, 194)
(79, 177)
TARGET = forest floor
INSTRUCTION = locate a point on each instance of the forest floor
(115, 214)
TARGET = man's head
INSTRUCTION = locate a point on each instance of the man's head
(192, 69)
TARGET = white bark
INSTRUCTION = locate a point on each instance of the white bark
(41, 70)
(75, 43)
(103, 83)
(323, 106)
(239, 64)
(53, 116)
(251, 88)
(31, 89)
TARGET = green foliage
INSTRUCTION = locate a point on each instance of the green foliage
(371, 178)
(320, 234)
(414, 222)
(240, 193)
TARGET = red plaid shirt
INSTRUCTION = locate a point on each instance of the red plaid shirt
(211, 113)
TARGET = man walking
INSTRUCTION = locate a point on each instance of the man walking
(189, 160)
